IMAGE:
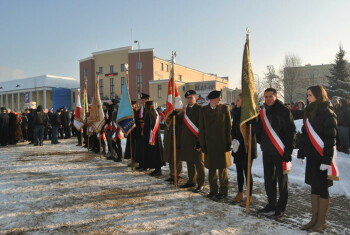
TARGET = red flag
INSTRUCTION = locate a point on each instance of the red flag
(169, 102)
(78, 121)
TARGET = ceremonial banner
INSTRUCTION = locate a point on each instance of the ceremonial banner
(78, 122)
(125, 117)
(249, 107)
(97, 116)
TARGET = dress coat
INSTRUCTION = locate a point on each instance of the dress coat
(168, 154)
(188, 140)
(215, 136)
(325, 125)
(4, 128)
(153, 153)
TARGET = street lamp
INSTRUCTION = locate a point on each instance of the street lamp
(139, 81)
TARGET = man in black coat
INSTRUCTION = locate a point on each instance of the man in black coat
(56, 125)
(281, 121)
(4, 127)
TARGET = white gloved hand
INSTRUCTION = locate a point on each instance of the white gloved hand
(235, 145)
(301, 161)
(324, 167)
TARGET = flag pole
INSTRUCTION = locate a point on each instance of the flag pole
(100, 146)
(174, 117)
(249, 169)
(131, 157)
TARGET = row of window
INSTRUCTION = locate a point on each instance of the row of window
(111, 68)
(122, 82)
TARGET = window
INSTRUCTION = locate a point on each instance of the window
(73, 97)
(139, 65)
(161, 66)
(101, 87)
(111, 87)
(122, 82)
(180, 77)
(100, 70)
(139, 83)
(122, 68)
(167, 68)
(183, 88)
(85, 72)
(159, 91)
(111, 69)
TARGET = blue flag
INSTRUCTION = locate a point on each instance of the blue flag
(125, 117)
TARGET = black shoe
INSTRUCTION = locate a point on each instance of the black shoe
(119, 159)
(199, 189)
(36, 144)
(156, 173)
(267, 209)
(187, 185)
(220, 196)
(278, 214)
(212, 195)
(169, 180)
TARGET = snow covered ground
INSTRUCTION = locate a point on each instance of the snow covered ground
(66, 190)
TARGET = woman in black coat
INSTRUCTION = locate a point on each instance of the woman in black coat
(324, 122)
(239, 152)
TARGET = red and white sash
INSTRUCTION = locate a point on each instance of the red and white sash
(190, 124)
(153, 133)
(333, 172)
(275, 139)
(141, 116)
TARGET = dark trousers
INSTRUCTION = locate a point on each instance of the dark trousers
(242, 171)
(54, 139)
(223, 179)
(196, 171)
(38, 134)
(273, 174)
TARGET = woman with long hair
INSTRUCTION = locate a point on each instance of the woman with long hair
(320, 123)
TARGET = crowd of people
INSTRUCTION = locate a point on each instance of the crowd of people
(210, 137)
(35, 126)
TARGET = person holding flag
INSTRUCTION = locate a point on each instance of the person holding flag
(276, 134)
(215, 141)
(318, 146)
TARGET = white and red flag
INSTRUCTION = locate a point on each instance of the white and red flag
(78, 121)
(169, 102)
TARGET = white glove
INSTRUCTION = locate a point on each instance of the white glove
(324, 167)
(301, 161)
(235, 145)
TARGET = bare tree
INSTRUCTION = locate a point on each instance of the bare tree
(290, 73)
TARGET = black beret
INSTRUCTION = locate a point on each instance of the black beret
(133, 102)
(3, 108)
(190, 92)
(214, 94)
(144, 96)
(149, 102)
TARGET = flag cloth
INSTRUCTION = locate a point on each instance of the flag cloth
(78, 123)
(250, 108)
(169, 102)
(125, 116)
(97, 116)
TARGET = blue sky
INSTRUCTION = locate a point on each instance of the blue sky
(49, 37)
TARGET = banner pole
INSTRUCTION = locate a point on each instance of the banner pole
(249, 169)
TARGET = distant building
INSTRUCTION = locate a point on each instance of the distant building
(147, 73)
(298, 79)
(47, 90)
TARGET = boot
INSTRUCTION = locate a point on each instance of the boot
(314, 207)
(323, 207)
(244, 202)
(238, 197)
